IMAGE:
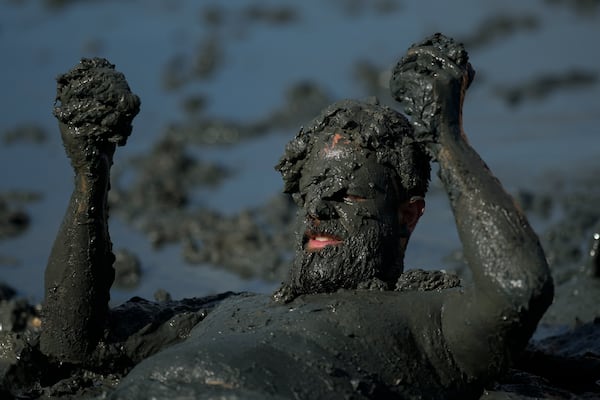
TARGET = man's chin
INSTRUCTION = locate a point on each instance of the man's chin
(325, 263)
(331, 268)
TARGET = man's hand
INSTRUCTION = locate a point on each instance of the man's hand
(95, 108)
(430, 81)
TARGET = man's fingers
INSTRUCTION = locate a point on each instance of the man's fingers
(431, 59)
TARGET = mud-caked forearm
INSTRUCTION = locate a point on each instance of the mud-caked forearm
(499, 245)
(79, 272)
(491, 321)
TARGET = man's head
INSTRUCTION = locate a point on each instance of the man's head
(359, 179)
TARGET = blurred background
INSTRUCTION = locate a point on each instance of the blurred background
(196, 207)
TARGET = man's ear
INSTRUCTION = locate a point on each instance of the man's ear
(411, 211)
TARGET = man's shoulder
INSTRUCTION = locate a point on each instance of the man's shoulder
(425, 280)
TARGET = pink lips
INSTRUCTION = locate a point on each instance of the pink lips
(318, 242)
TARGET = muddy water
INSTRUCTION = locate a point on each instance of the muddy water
(532, 112)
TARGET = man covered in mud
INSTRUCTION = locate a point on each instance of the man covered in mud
(359, 179)
(346, 323)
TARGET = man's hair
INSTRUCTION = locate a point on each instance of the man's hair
(373, 127)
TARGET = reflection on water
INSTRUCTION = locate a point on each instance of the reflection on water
(236, 62)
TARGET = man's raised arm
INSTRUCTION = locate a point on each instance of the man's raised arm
(95, 108)
(484, 325)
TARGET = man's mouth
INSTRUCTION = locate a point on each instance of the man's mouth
(320, 241)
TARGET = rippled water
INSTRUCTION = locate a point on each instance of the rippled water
(261, 55)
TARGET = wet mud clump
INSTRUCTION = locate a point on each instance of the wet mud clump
(583, 7)
(544, 85)
(128, 271)
(13, 220)
(25, 133)
(499, 27)
(16, 314)
(95, 98)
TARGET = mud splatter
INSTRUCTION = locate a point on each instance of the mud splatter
(543, 86)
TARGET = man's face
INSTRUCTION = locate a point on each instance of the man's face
(349, 227)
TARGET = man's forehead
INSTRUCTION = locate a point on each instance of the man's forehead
(337, 145)
(338, 159)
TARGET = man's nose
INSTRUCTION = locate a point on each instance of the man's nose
(322, 210)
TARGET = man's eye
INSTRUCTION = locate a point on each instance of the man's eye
(343, 196)
(352, 198)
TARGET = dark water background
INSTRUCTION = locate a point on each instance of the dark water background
(533, 112)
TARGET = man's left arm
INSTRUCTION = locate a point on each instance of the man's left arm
(487, 323)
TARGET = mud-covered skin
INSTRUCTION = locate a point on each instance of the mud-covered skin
(95, 109)
(371, 126)
(353, 199)
(418, 279)
(349, 173)
(350, 344)
(430, 81)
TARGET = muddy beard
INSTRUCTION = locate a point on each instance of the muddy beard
(372, 259)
